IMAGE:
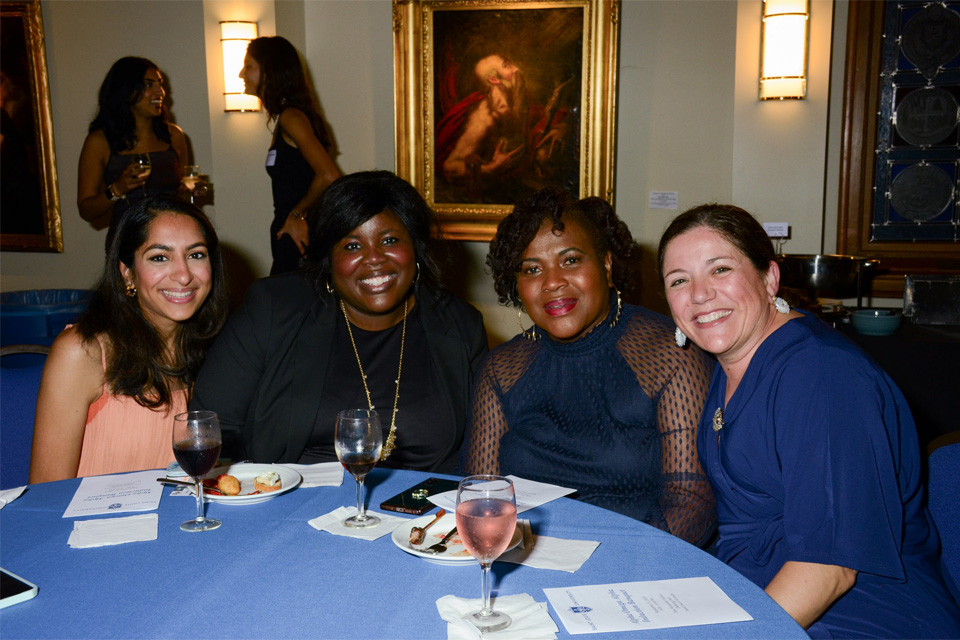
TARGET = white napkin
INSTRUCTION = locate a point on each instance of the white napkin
(9, 495)
(331, 523)
(323, 474)
(107, 531)
(531, 619)
(544, 552)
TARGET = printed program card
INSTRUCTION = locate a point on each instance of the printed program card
(529, 494)
(138, 491)
(654, 604)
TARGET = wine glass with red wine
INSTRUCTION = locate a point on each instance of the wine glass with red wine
(196, 445)
(486, 521)
(358, 441)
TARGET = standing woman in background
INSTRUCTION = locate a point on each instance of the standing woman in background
(130, 120)
(298, 163)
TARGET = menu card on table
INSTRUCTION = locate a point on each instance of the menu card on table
(137, 491)
(654, 604)
(529, 494)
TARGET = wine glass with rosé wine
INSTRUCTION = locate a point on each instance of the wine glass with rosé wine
(196, 445)
(486, 521)
(358, 439)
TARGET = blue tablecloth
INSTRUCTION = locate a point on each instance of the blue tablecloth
(267, 574)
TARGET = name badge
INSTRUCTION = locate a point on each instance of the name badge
(271, 157)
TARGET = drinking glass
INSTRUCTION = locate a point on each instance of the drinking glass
(358, 440)
(196, 445)
(191, 178)
(142, 160)
(486, 521)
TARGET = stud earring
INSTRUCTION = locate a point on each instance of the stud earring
(680, 337)
(616, 318)
(532, 334)
(131, 290)
(781, 305)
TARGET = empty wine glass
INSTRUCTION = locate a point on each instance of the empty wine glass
(486, 521)
(358, 439)
(142, 160)
(191, 178)
(196, 445)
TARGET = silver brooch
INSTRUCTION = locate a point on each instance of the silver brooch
(718, 419)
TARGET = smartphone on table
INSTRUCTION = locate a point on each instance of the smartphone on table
(14, 589)
(415, 499)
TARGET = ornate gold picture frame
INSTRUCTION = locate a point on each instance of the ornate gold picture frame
(498, 98)
(30, 207)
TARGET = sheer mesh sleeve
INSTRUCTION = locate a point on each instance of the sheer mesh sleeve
(679, 379)
(502, 368)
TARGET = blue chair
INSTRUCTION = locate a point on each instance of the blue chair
(943, 487)
(18, 406)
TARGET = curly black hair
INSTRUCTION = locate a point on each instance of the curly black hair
(515, 233)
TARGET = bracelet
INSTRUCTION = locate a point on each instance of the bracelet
(113, 197)
(296, 214)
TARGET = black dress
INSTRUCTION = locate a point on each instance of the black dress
(290, 177)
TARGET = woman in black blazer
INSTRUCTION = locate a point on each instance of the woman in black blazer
(365, 324)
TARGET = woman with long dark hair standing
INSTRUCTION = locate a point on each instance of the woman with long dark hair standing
(131, 120)
(298, 162)
(114, 381)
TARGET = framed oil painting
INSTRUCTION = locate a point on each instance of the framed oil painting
(496, 99)
(30, 206)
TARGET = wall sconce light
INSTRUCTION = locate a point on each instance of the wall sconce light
(783, 49)
(234, 37)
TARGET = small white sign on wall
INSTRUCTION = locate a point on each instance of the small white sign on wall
(664, 200)
(777, 229)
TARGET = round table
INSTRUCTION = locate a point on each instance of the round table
(267, 573)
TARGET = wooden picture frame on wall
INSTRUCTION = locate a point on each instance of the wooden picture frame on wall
(30, 207)
(498, 98)
(874, 153)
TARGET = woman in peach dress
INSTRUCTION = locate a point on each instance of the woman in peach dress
(114, 381)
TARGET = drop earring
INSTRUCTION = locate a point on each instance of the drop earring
(680, 337)
(530, 334)
(781, 305)
(616, 318)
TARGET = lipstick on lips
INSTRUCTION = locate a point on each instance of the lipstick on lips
(707, 318)
(560, 306)
(179, 297)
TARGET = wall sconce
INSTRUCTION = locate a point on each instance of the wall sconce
(234, 37)
(783, 49)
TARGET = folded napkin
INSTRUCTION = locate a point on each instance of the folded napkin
(9, 495)
(544, 552)
(531, 619)
(331, 523)
(323, 474)
(107, 531)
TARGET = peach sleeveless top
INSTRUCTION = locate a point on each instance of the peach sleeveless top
(122, 435)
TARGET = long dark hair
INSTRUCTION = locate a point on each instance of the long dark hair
(607, 232)
(121, 89)
(136, 365)
(283, 82)
(353, 199)
(737, 227)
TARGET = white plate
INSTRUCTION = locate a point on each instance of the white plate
(456, 553)
(245, 473)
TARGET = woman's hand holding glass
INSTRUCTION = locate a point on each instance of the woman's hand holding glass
(486, 521)
(358, 439)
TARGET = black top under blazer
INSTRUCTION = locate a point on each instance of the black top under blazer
(265, 373)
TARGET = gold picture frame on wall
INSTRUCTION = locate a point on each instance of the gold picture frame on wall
(498, 98)
(30, 207)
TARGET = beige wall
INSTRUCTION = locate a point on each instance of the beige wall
(688, 118)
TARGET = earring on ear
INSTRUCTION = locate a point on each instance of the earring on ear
(781, 305)
(131, 290)
(416, 279)
(680, 337)
(329, 288)
(530, 334)
(616, 318)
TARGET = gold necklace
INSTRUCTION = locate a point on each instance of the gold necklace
(389, 445)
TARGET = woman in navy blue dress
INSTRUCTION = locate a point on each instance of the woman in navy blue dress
(810, 447)
(593, 396)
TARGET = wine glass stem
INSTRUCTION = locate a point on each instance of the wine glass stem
(485, 588)
(199, 498)
(361, 509)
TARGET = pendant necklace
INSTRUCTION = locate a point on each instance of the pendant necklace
(718, 419)
(390, 444)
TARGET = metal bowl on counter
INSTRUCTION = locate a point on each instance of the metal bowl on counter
(825, 276)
